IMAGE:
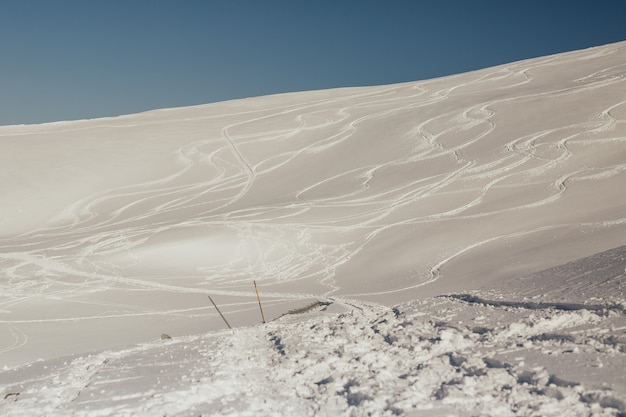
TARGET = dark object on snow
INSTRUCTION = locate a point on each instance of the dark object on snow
(12, 396)
(278, 344)
(546, 337)
(496, 364)
(218, 310)
(472, 299)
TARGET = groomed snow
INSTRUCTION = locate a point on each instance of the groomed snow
(460, 242)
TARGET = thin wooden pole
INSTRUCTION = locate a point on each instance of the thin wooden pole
(218, 310)
(259, 299)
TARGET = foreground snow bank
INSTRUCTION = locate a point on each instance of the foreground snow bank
(437, 357)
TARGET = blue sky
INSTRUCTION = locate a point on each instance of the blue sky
(76, 59)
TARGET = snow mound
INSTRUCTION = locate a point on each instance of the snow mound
(436, 357)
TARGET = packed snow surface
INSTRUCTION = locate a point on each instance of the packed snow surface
(454, 246)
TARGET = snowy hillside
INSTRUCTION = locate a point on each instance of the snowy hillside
(460, 242)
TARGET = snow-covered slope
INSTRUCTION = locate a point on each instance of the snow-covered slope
(499, 183)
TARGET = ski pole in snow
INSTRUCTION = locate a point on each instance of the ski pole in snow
(218, 310)
(259, 299)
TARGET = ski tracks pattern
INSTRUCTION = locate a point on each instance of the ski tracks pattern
(304, 191)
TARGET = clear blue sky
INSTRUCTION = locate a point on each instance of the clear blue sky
(75, 59)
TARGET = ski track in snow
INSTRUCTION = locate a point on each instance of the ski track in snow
(282, 194)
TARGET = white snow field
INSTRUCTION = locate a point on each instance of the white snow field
(448, 247)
